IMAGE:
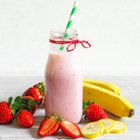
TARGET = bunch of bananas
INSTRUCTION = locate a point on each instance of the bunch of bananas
(108, 96)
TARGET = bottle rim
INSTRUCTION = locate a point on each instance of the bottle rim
(59, 34)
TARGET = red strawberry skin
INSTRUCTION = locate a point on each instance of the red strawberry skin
(94, 113)
(6, 115)
(31, 99)
(48, 126)
(41, 87)
(25, 119)
(70, 129)
(35, 93)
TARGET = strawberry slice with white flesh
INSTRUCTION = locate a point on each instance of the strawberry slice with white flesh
(48, 126)
(70, 129)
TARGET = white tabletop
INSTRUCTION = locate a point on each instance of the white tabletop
(13, 86)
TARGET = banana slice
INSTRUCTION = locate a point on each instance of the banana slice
(120, 127)
(92, 130)
(109, 125)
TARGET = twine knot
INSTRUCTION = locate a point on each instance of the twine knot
(84, 44)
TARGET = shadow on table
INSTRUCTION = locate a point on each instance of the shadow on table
(58, 135)
(111, 116)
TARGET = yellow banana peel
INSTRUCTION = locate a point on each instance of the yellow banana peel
(109, 101)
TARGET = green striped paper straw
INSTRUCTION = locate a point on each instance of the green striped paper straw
(69, 22)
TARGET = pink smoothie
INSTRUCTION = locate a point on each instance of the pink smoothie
(63, 87)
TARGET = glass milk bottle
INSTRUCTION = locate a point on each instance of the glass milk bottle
(63, 79)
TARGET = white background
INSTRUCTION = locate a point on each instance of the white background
(111, 26)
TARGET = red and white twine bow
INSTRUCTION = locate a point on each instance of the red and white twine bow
(85, 44)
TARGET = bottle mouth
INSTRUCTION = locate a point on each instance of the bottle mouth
(59, 34)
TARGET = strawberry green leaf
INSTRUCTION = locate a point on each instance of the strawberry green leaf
(25, 100)
(17, 103)
(88, 102)
(10, 101)
(26, 107)
(33, 103)
(17, 100)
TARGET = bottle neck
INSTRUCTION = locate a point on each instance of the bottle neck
(56, 48)
(59, 44)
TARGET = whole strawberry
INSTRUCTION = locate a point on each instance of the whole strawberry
(25, 119)
(35, 93)
(93, 112)
(6, 115)
(41, 87)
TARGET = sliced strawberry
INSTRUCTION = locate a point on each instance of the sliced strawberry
(70, 129)
(48, 126)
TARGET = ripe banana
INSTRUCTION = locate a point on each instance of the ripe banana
(105, 85)
(109, 101)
